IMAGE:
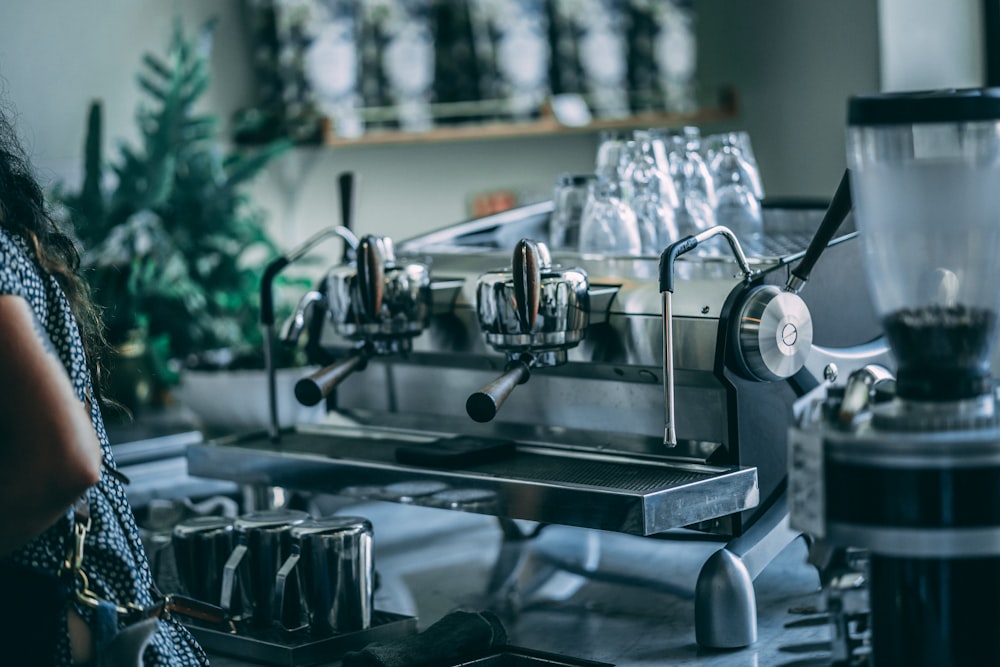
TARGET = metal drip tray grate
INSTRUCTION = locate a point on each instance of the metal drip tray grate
(548, 484)
(613, 475)
(784, 244)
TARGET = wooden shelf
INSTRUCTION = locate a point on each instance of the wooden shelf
(547, 125)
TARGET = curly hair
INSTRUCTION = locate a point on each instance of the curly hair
(23, 211)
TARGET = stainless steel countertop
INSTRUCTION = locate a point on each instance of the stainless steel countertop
(602, 596)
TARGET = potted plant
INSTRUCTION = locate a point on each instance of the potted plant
(173, 246)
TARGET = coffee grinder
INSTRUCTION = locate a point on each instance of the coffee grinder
(911, 473)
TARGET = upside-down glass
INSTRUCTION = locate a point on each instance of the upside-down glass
(741, 140)
(654, 198)
(695, 187)
(737, 205)
(569, 198)
(608, 224)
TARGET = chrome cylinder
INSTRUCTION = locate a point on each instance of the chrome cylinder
(534, 305)
(201, 547)
(332, 562)
(263, 542)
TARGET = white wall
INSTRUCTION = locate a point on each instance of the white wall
(793, 61)
(927, 44)
(58, 55)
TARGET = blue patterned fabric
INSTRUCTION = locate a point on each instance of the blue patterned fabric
(114, 559)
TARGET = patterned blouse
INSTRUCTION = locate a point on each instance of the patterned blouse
(114, 559)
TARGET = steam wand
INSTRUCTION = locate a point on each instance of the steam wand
(277, 265)
(667, 259)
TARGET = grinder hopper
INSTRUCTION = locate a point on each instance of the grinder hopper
(925, 169)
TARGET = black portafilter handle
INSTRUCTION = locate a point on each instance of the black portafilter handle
(484, 404)
(313, 388)
(836, 213)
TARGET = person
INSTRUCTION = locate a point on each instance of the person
(54, 450)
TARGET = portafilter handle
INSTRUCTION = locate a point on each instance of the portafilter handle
(484, 404)
(529, 259)
(313, 388)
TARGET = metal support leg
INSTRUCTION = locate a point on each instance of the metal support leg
(725, 606)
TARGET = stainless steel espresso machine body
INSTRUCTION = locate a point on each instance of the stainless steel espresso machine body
(606, 396)
(580, 441)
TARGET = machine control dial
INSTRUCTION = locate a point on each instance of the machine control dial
(774, 333)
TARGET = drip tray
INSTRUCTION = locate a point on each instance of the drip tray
(635, 495)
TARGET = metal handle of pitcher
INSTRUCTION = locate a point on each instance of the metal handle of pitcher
(229, 579)
(286, 570)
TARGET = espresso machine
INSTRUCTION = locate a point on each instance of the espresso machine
(903, 464)
(644, 395)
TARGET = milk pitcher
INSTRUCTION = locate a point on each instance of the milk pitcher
(201, 546)
(263, 542)
(328, 575)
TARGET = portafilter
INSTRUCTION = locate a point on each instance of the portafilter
(377, 301)
(535, 313)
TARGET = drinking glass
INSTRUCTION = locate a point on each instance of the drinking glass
(408, 63)
(737, 205)
(695, 210)
(654, 198)
(569, 198)
(740, 140)
(608, 225)
(611, 153)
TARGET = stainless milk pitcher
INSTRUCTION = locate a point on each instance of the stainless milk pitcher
(331, 570)
(201, 546)
(263, 542)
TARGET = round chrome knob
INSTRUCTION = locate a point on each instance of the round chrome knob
(774, 333)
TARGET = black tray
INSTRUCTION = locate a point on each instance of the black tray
(273, 647)
(516, 656)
